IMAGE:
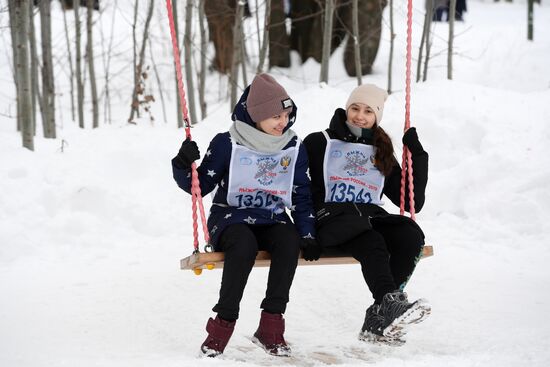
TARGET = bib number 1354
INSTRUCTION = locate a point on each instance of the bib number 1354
(342, 192)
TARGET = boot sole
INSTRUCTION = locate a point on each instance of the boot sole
(418, 312)
(259, 344)
(372, 338)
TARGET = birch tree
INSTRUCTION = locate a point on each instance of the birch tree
(91, 64)
(265, 38)
(530, 20)
(34, 67)
(178, 101)
(48, 86)
(356, 48)
(236, 52)
(78, 62)
(22, 69)
(14, 43)
(424, 40)
(138, 85)
(327, 38)
(452, 7)
(188, 64)
(392, 38)
(204, 47)
(70, 59)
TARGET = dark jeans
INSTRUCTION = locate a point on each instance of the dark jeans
(388, 255)
(240, 243)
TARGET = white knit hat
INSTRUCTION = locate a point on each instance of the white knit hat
(370, 95)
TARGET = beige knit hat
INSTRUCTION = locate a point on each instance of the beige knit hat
(370, 95)
(266, 98)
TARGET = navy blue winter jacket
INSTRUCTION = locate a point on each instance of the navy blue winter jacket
(214, 172)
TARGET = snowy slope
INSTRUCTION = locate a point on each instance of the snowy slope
(91, 236)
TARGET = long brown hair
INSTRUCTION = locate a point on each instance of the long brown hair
(384, 159)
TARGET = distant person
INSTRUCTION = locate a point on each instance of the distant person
(441, 10)
(260, 169)
(352, 165)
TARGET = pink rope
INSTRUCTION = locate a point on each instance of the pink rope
(406, 166)
(195, 184)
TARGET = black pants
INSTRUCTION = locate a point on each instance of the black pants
(240, 243)
(388, 255)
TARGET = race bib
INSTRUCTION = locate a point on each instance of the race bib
(350, 174)
(261, 180)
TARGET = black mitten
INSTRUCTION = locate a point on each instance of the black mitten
(410, 139)
(188, 153)
(311, 249)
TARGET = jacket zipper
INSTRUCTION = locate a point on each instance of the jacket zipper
(359, 211)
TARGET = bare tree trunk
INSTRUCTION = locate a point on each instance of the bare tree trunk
(243, 56)
(158, 81)
(107, 55)
(265, 38)
(236, 54)
(428, 48)
(48, 86)
(530, 20)
(425, 36)
(79, 82)
(188, 64)
(21, 13)
(91, 64)
(71, 69)
(178, 101)
(204, 46)
(392, 38)
(327, 38)
(134, 106)
(138, 87)
(34, 67)
(356, 48)
(14, 43)
(452, 7)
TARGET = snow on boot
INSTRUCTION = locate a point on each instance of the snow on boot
(373, 327)
(399, 313)
(219, 332)
(269, 335)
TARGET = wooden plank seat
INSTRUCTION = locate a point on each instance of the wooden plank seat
(214, 260)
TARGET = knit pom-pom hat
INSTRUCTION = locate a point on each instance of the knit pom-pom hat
(267, 98)
(370, 95)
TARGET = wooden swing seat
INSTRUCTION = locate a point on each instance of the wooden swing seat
(214, 260)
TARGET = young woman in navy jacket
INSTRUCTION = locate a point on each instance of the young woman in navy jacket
(259, 168)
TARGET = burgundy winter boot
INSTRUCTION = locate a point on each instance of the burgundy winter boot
(219, 332)
(269, 335)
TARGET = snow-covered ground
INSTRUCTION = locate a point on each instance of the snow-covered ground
(91, 235)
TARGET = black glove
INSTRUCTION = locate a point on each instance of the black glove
(410, 139)
(311, 249)
(189, 152)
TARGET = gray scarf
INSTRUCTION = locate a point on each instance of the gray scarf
(257, 140)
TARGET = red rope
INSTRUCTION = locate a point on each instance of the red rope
(406, 166)
(195, 184)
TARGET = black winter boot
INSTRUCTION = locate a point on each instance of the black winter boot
(399, 313)
(219, 332)
(373, 328)
(269, 335)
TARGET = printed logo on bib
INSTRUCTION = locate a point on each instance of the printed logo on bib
(356, 163)
(285, 162)
(265, 174)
